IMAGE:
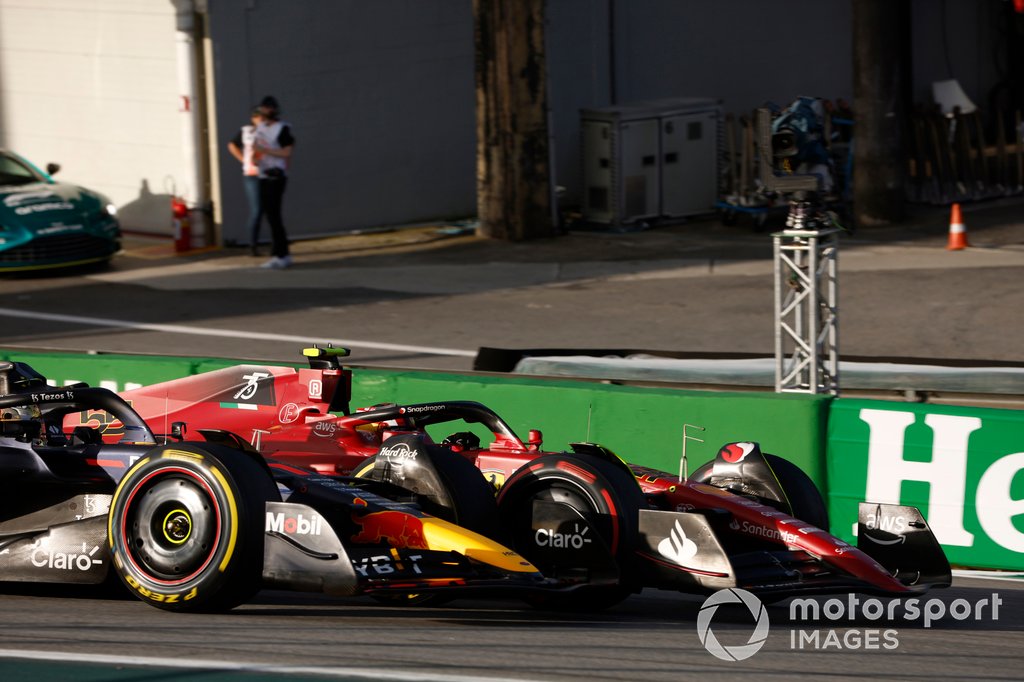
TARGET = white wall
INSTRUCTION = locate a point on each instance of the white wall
(92, 85)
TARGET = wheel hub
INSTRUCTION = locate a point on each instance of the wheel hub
(177, 526)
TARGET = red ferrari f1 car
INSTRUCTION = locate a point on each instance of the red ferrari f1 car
(584, 517)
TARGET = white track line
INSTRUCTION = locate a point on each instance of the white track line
(1017, 577)
(229, 333)
(330, 671)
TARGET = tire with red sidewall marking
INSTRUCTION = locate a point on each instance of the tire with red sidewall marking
(186, 526)
(607, 496)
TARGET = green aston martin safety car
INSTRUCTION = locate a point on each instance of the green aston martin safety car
(47, 224)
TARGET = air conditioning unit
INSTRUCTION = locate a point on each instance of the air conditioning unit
(650, 160)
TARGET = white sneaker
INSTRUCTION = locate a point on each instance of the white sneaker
(284, 261)
(273, 264)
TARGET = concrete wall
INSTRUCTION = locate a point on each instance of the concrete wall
(93, 87)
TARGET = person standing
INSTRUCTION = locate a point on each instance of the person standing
(243, 147)
(274, 142)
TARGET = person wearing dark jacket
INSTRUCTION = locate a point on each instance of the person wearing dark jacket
(274, 143)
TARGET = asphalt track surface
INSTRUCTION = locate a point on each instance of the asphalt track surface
(652, 636)
(420, 298)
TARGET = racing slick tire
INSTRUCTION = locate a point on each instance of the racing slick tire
(606, 495)
(804, 497)
(186, 526)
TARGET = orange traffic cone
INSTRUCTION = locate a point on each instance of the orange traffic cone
(957, 231)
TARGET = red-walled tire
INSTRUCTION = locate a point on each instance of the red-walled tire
(186, 526)
(605, 494)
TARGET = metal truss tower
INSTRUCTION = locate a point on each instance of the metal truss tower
(806, 303)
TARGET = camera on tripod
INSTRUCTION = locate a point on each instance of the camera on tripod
(794, 161)
(798, 146)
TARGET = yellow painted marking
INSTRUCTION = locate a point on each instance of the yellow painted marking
(234, 519)
(181, 454)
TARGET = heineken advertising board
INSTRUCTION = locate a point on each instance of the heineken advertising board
(963, 467)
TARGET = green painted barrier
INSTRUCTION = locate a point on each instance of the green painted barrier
(963, 467)
(116, 372)
(643, 425)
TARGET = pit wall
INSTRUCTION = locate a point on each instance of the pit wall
(962, 466)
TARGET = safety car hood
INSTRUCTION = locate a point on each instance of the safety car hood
(45, 208)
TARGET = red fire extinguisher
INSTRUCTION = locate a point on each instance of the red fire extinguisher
(182, 225)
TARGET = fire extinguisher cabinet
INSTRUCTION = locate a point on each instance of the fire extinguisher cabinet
(651, 160)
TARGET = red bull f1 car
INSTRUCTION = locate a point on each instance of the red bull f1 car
(584, 518)
(202, 525)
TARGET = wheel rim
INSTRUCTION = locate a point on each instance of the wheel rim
(567, 494)
(549, 490)
(171, 526)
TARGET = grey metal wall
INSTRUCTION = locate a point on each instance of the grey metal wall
(380, 96)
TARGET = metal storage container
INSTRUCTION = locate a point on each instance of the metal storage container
(650, 160)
